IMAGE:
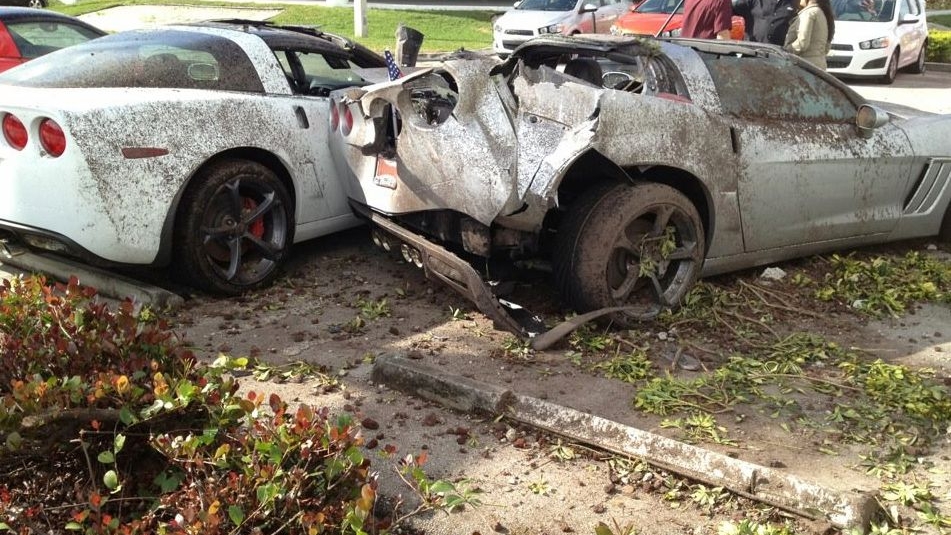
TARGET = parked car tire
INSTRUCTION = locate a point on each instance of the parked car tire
(918, 67)
(234, 228)
(891, 69)
(636, 245)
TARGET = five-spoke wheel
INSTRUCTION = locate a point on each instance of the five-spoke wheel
(639, 246)
(234, 228)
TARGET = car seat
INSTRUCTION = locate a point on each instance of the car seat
(586, 69)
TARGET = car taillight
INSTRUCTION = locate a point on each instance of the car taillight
(14, 132)
(52, 138)
(334, 117)
(346, 120)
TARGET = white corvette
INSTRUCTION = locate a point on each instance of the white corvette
(200, 147)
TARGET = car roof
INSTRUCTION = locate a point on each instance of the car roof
(281, 36)
(26, 14)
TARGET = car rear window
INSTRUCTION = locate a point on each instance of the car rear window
(37, 38)
(147, 58)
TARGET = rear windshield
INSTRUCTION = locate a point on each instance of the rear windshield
(36, 38)
(146, 58)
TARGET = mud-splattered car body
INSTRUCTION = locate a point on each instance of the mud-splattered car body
(147, 118)
(754, 157)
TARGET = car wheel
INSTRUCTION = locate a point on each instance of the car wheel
(918, 67)
(640, 246)
(235, 225)
(945, 233)
(891, 69)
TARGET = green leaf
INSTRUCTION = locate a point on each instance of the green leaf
(5, 527)
(106, 457)
(111, 479)
(118, 443)
(442, 487)
(236, 514)
(71, 526)
(602, 529)
(126, 416)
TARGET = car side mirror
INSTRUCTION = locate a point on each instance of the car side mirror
(908, 19)
(588, 8)
(869, 118)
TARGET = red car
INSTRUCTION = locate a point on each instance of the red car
(647, 17)
(27, 33)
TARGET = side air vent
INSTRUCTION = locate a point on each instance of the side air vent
(931, 184)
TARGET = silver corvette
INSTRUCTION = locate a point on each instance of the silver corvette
(634, 167)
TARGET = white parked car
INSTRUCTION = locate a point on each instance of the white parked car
(200, 147)
(876, 38)
(542, 17)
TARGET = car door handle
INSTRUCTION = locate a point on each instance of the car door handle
(301, 117)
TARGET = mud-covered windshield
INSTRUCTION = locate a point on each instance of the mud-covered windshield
(547, 5)
(148, 58)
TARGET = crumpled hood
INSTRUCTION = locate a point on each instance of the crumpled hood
(530, 20)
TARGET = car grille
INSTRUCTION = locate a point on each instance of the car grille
(842, 47)
(511, 45)
(519, 32)
(838, 63)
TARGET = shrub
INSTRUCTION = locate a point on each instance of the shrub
(108, 424)
(939, 46)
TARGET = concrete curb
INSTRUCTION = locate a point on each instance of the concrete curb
(844, 509)
(937, 67)
(107, 283)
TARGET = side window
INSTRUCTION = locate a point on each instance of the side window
(316, 74)
(905, 9)
(791, 93)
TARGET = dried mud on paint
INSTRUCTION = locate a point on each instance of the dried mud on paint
(768, 387)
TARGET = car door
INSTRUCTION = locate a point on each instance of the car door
(911, 31)
(607, 14)
(312, 75)
(807, 174)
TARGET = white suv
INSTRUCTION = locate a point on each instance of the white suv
(878, 37)
(540, 17)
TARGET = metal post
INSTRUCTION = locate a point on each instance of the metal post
(360, 18)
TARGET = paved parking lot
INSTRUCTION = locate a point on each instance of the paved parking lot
(929, 91)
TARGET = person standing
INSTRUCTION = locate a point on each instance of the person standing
(810, 33)
(768, 20)
(707, 19)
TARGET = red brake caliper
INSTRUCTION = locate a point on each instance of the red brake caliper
(256, 228)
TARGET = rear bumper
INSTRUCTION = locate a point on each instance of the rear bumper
(444, 265)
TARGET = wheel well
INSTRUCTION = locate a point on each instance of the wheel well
(253, 154)
(579, 178)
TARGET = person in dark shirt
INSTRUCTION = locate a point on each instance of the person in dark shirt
(767, 21)
(707, 19)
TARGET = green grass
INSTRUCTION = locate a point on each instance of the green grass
(944, 20)
(445, 31)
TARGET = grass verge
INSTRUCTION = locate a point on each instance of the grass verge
(445, 31)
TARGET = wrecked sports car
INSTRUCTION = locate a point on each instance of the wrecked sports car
(203, 147)
(633, 166)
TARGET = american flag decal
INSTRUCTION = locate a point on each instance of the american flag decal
(391, 67)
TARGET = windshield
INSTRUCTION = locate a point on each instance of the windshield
(864, 10)
(547, 5)
(145, 58)
(660, 6)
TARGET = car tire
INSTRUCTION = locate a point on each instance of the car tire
(235, 225)
(891, 69)
(595, 250)
(918, 67)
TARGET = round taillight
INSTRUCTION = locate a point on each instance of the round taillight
(334, 117)
(52, 138)
(14, 132)
(346, 121)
